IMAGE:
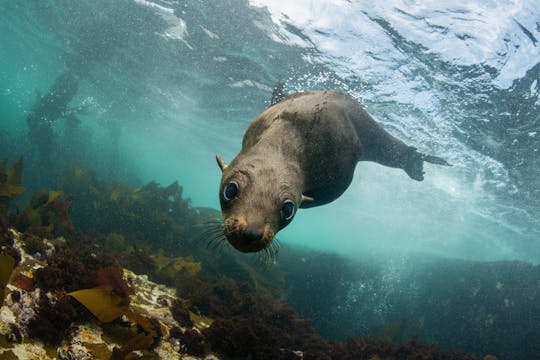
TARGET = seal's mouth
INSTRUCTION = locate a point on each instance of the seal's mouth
(247, 238)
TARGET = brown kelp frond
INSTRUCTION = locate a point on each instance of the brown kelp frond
(14, 175)
(10, 183)
(171, 270)
(146, 338)
(7, 264)
(104, 304)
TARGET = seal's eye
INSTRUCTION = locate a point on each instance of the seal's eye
(287, 210)
(230, 191)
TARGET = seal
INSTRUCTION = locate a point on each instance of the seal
(301, 152)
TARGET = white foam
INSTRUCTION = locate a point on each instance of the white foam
(462, 32)
(177, 29)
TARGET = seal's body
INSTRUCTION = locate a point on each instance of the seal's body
(302, 152)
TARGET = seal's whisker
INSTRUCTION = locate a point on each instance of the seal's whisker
(275, 247)
(262, 257)
(222, 244)
(268, 255)
(216, 242)
(212, 233)
(273, 250)
(209, 228)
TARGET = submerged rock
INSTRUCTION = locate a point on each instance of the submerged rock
(149, 320)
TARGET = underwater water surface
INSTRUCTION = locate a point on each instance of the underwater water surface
(153, 89)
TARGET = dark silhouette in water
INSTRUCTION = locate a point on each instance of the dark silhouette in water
(302, 152)
(47, 109)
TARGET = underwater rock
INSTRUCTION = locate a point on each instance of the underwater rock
(41, 324)
(157, 324)
(216, 317)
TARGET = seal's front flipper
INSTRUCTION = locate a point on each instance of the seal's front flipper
(414, 164)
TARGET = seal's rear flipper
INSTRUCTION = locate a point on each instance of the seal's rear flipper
(278, 93)
(414, 166)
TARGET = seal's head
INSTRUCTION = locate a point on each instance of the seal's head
(256, 202)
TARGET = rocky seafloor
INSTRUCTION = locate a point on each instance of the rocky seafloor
(103, 271)
(131, 317)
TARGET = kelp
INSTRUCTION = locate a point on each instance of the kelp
(47, 215)
(192, 341)
(83, 279)
(125, 219)
(176, 271)
(7, 264)
(110, 298)
(34, 244)
(200, 322)
(104, 304)
(140, 335)
(10, 184)
(76, 267)
(137, 213)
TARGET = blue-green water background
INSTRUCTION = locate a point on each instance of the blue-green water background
(166, 85)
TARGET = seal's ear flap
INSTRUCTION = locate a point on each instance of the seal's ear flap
(306, 198)
(222, 164)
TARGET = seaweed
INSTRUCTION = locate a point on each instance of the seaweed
(192, 342)
(75, 268)
(53, 321)
(65, 271)
(89, 276)
(110, 298)
(33, 244)
(251, 323)
(180, 312)
(372, 347)
(230, 305)
(112, 277)
(142, 337)
(138, 260)
(46, 216)
(176, 271)
(104, 304)
(7, 264)
(10, 184)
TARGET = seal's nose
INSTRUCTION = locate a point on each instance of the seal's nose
(252, 234)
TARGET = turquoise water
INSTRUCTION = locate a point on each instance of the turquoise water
(158, 88)
(163, 86)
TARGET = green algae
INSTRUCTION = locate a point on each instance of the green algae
(10, 184)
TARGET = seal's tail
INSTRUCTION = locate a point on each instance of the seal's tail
(414, 166)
